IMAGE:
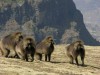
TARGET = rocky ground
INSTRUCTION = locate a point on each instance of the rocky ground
(59, 64)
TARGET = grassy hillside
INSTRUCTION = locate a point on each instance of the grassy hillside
(5, 2)
(9, 1)
(59, 64)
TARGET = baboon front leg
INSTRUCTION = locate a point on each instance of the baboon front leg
(16, 56)
(76, 61)
(40, 57)
(82, 59)
(45, 57)
(5, 52)
(32, 55)
(49, 57)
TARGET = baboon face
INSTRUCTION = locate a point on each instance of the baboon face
(28, 42)
(19, 36)
(50, 40)
(29, 47)
(80, 46)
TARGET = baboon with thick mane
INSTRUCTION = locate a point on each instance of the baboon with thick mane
(75, 49)
(8, 43)
(25, 49)
(45, 47)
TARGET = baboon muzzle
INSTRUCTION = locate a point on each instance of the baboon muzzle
(29, 45)
(20, 38)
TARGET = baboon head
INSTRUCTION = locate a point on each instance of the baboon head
(49, 40)
(29, 42)
(17, 36)
(78, 45)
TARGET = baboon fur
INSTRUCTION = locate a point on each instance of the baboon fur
(26, 49)
(75, 49)
(45, 47)
(8, 43)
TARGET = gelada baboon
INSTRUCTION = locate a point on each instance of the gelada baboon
(75, 49)
(25, 49)
(8, 44)
(45, 47)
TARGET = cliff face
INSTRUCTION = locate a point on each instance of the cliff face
(50, 13)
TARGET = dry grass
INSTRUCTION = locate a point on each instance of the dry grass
(59, 64)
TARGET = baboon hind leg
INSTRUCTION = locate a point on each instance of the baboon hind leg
(21, 56)
(40, 56)
(5, 52)
(71, 59)
(16, 56)
(12, 54)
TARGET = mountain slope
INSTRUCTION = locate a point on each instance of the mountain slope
(54, 14)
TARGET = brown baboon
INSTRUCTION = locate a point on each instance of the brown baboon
(75, 49)
(8, 44)
(25, 49)
(45, 47)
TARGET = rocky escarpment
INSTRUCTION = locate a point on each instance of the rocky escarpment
(54, 14)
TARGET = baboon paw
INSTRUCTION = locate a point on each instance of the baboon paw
(77, 64)
(71, 62)
(32, 60)
(83, 65)
(10, 57)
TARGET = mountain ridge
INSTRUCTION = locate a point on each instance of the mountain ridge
(54, 14)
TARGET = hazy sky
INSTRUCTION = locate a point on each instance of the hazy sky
(90, 10)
